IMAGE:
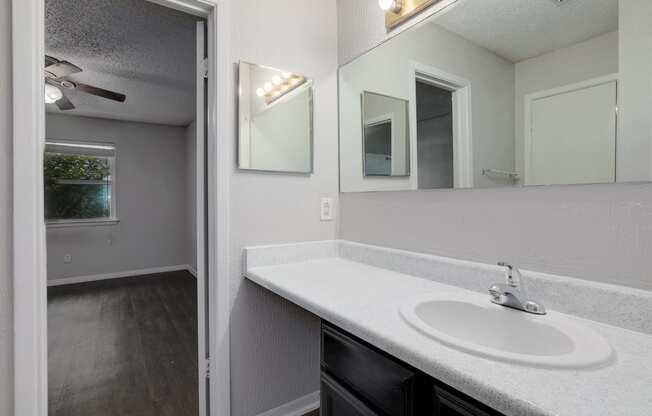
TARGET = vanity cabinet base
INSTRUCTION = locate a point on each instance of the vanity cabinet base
(358, 379)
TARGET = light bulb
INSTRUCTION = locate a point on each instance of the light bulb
(268, 86)
(52, 94)
(277, 80)
(286, 75)
(260, 92)
(391, 5)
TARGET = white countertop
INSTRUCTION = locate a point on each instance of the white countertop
(365, 301)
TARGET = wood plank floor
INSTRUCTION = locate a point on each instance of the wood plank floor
(124, 347)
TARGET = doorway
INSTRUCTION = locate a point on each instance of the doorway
(434, 136)
(30, 284)
(440, 112)
(124, 185)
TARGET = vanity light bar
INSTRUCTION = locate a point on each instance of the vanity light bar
(280, 86)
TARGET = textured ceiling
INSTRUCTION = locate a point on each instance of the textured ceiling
(522, 29)
(135, 47)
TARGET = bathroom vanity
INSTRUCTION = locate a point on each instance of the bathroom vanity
(412, 334)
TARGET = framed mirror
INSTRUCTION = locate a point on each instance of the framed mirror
(275, 120)
(503, 93)
(385, 135)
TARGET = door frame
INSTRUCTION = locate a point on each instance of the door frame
(28, 245)
(463, 168)
(529, 99)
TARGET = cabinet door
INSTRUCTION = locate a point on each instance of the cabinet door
(387, 384)
(336, 401)
(449, 404)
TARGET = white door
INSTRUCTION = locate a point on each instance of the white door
(573, 137)
(202, 240)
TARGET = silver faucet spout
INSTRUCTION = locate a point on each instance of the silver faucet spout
(512, 293)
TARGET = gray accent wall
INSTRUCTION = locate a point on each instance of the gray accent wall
(6, 179)
(275, 344)
(150, 196)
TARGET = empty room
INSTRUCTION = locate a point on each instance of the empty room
(120, 201)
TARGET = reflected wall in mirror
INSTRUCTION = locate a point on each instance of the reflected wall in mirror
(508, 93)
(275, 119)
(385, 135)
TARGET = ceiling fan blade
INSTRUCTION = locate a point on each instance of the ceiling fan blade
(56, 69)
(64, 104)
(100, 92)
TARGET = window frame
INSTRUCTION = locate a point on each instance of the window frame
(113, 218)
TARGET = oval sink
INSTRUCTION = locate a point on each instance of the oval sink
(475, 325)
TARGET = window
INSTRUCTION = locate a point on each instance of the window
(79, 182)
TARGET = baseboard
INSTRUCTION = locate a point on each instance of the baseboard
(192, 271)
(298, 407)
(117, 275)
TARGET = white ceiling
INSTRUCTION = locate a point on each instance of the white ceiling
(135, 47)
(522, 29)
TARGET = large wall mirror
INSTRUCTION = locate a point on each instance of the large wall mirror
(275, 124)
(494, 93)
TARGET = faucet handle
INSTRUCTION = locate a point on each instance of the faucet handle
(512, 275)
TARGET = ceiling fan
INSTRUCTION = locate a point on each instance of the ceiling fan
(56, 83)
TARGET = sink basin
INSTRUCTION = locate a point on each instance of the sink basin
(471, 323)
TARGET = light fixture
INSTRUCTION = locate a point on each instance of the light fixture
(394, 6)
(52, 94)
(277, 80)
(260, 92)
(268, 86)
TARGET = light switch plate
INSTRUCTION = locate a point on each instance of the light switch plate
(326, 209)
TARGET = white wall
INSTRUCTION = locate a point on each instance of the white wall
(595, 232)
(6, 178)
(635, 91)
(151, 201)
(275, 344)
(593, 58)
(191, 195)
(385, 70)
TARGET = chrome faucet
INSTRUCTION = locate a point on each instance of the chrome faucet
(512, 292)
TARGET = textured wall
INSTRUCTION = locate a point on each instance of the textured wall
(150, 198)
(6, 178)
(274, 344)
(595, 232)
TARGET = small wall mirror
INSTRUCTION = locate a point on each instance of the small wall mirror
(385, 135)
(502, 93)
(275, 120)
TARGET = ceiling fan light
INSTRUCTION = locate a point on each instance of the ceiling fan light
(52, 94)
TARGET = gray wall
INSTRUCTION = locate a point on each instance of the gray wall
(6, 178)
(151, 200)
(274, 344)
(596, 232)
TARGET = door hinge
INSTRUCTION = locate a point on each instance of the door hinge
(207, 368)
(205, 67)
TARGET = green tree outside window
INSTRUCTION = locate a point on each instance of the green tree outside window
(77, 186)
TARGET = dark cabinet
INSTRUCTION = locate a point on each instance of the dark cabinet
(337, 401)
(358, 379)
(449, 402)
